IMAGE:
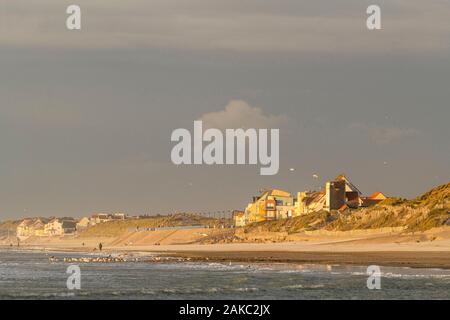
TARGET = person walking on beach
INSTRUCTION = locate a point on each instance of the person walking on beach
(100, 246)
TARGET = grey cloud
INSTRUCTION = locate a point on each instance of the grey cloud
(384, 135)
(231, 26)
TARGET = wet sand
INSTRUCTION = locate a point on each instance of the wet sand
(424, 250)
(427, 255)
(394, 259)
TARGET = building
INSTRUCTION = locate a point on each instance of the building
(239, 218)
(309, 201)
(105, 217)
(101, 217)
(38, 228)
(60, 227)
(84, 223)
(30, 227)
(335, 195)
(341, 193)
(372, 200)
(270, 205)
(24, 228)
(119, 216)
(338, 194)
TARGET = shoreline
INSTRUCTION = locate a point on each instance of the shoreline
(430, 249)
(426, 260)
(277, 253)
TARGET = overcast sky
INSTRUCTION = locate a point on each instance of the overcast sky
(86, 116)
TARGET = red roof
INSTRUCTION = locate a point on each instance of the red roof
(378, 195)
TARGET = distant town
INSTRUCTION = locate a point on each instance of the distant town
(56, 227)
(274, 204)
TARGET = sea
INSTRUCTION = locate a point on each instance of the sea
(31, 275)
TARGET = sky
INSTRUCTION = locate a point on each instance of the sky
(86, 116)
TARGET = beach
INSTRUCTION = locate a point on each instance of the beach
(429, 249)
(182, 266)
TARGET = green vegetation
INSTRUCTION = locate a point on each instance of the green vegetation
(392, 201)
(118, 227)
(430, 210)
(312, 221)
(436, 196)
(435, 218)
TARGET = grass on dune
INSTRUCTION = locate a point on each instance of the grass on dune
(118, 227)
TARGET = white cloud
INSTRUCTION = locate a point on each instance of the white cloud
(384, 135)
(239, 114)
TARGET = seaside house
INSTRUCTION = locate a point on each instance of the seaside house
(119, 216)
(24, 228)
(38, 228)
(105, 217)
(270, 205)
(30, 227)
(239, 218)
(84, 223)
(309, 201)
(101, 217)
(60, 227)
(372, 200)
(337, 194)
(341, 193)
(53, 228)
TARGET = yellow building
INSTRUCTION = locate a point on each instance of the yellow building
(30, 227)
(239, 218)
(337, 194)
(309, 201)
(58, 227)
(270, 205)
(24, 229)
(84, 223)
(39, 228)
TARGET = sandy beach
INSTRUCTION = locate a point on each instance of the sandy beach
(430, 249)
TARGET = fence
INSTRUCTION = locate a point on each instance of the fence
(168, 228)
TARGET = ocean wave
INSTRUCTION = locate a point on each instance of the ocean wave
(246, 289)
(38, 295)
(415, 276)
(303, 286)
